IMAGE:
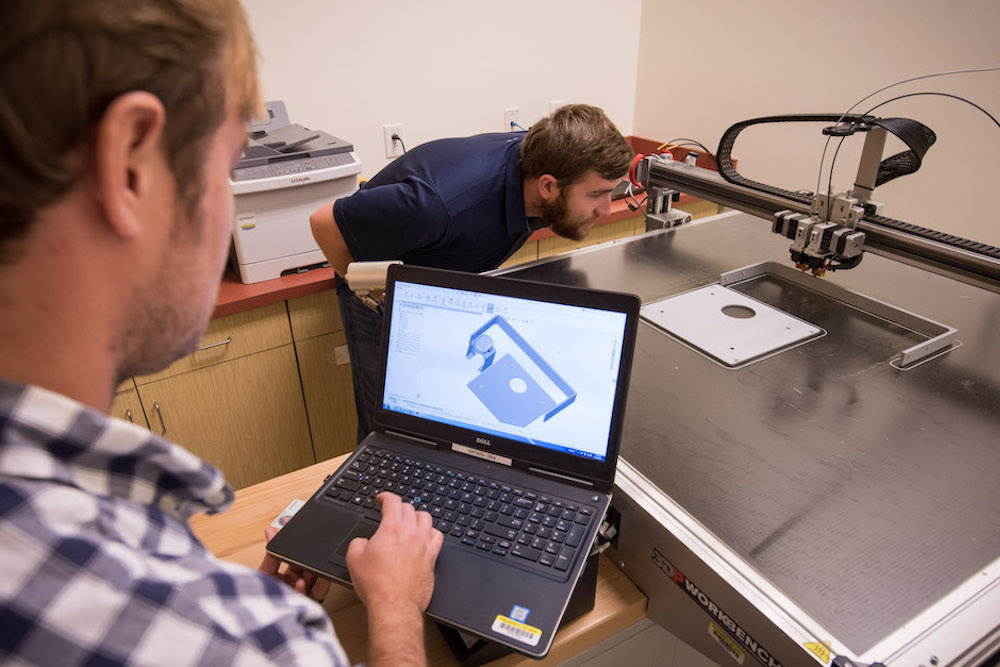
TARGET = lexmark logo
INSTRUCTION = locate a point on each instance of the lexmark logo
(301, 179)
(484, 441)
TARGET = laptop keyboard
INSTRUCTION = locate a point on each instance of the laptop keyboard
(534, 529)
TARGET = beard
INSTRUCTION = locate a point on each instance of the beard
(169, 314)
(162, 328)
(556, 214)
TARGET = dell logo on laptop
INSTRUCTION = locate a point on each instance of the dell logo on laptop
(484, 441)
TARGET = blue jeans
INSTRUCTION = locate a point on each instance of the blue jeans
(363, 329)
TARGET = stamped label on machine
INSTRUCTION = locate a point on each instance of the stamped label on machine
(246, 221)
(516, 630)
(726, 642)
(821, 650)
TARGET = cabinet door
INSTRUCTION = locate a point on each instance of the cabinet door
(231, 337)
(127, 406)
(314, 314)
(245, 417)
(326, 381)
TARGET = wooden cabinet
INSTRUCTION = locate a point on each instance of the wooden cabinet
(326, 384)
(314, 315)
(249, 401)
(232, 337)
(128, 407)
(245, 417)
(325, 369)
(237, 401)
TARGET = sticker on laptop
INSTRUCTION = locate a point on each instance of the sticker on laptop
(513, 626)
(287, 514)
(519, 613)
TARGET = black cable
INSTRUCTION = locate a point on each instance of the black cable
(685, 144)
(398, 138)
(629, 195)
(829, 183)
(638, 204)
(513, 124)
(845, 264)
(826, 144)
(955, 97)
(695, 143)
(829, 188)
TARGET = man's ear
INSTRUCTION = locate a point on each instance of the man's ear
(129, 159)
(548, 187)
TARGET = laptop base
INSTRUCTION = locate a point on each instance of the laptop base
(482, 651)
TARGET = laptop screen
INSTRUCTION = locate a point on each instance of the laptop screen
(532, 371)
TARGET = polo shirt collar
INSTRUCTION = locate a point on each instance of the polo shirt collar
(47, 436)
(514, 185)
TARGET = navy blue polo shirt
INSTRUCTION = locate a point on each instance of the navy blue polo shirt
(451, 204)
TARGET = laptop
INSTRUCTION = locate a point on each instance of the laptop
(501, 411)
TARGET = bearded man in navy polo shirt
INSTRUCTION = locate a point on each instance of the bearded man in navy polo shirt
(468, 204)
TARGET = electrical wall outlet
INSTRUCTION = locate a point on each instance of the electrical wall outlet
(555, 104)
(510, 117)
(393, 147)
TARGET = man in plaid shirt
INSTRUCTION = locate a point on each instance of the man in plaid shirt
(119, 124)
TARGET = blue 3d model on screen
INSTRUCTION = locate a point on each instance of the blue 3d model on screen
(506, 388)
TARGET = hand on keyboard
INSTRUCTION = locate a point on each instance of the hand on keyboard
(538, 531)
(395, 566)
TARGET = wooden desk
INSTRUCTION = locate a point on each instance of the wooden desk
(238, 536)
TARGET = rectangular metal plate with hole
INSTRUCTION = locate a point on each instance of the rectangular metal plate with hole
(728, 326)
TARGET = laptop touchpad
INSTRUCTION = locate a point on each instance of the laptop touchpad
(361, 529)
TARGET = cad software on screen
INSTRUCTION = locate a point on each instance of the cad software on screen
(532, 371)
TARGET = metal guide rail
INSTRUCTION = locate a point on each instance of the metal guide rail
(832, 503)
(956, 261)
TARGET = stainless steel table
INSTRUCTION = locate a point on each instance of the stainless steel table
(820, 502)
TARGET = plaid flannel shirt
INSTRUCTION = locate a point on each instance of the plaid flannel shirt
(98, 565)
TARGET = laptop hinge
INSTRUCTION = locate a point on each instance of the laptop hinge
(412, 438)
(574, 480)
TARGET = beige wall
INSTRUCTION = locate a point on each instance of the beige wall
(661, 69)
(706, 65)
(443, 67)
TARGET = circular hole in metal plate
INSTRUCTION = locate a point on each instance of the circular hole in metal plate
(518, 385)
(739, 312)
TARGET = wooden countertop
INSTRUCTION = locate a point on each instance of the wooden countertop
(238, 536)
(235, 297)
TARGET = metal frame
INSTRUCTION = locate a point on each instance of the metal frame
(941, 337)
(958, 630)
(963, 265)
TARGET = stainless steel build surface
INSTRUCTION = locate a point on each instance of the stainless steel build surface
(863, 492)
(728, 325)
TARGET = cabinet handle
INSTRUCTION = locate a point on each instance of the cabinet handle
(128, 415)
(221, 342)
(163, 424)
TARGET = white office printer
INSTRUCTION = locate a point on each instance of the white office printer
(287, 171)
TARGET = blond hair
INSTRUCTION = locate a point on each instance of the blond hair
(62, 62)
